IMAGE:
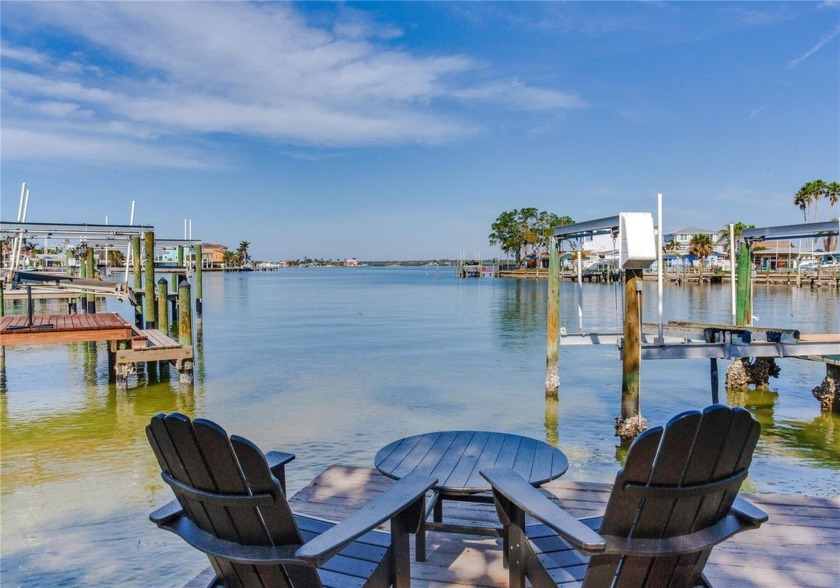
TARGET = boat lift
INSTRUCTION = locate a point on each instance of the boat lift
(682, 340)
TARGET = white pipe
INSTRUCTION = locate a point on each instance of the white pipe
(185, 229)
(25, 206)
(732, 271)
(106, 253)
(20, 204)
(19, 236)
(580, 290)
(661, 337)
(190, 234)
(19, 248)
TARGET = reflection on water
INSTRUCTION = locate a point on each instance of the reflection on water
(332, 364)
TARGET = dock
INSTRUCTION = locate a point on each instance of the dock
(127, 345)
(799, 546)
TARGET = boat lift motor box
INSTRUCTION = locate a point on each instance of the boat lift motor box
(638, 240)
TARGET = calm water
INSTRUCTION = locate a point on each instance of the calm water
(333, 363)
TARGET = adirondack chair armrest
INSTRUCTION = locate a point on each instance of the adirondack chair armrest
(516, 491)
(171, 518)
(725, 528)
(406, 493)
(748, 512)
(166, 513)
(277, 461)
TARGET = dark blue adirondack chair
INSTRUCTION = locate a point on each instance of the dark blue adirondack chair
(675, 499)
(231, 505)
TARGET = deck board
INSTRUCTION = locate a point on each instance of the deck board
(799, 546)
(66, 328)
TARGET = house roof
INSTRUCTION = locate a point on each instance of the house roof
(693, 231)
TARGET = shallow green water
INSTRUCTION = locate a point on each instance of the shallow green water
(332, 364)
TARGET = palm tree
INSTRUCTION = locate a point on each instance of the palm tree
(738, 230)
(242, 251)
(832, 190)
(700, 247)
(810, 193)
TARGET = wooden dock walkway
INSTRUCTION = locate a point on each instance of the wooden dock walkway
(799, 546)
(127, 345)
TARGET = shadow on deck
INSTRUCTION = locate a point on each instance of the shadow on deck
(799, 546)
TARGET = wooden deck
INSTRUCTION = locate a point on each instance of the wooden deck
(799, 546)
(63, 328)
(127, 345)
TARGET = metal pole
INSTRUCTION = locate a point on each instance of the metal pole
(732, 272)
(580, 290)
(660, 340)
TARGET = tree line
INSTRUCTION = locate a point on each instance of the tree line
(525, 231)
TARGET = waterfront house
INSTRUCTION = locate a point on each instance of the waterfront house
(682, 238)
(213, 256)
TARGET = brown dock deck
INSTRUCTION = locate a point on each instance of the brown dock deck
(63, 328)
(127, 344)
(799, 546)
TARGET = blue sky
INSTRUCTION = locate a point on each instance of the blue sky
(402, 130)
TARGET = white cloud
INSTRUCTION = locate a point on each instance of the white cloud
(824, 40)
(184, 69)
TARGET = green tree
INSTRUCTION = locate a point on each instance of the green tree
(515, 231)
(116, 257)
(543, 229)
(230, 257)
(700, 247)
(242, 252)
(809, 196)
(738, 229)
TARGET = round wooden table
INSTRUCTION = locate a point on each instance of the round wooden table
(456, 459)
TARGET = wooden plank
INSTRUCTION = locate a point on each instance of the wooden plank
(788, 550)
(785, 551)
(153, 354)
(65, 329)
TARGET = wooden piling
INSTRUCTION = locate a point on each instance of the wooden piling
(2, 347)
(743, 310)
(552, 377)
(185, 366)
(149, 279)
(198, 286)
(162, 299)
(90, 297)
(630, 424)
(138, 281)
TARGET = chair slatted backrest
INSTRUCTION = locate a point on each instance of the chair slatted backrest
(706, 456)
(199, 454)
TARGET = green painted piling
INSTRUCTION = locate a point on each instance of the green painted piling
(163, 296)
(552, 377)
(149, 279)
(180, 256)
(743, 302)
